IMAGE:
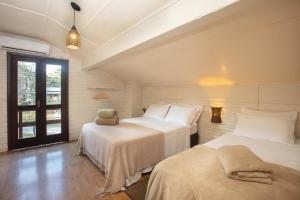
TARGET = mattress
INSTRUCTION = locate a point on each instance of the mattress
(273, 152)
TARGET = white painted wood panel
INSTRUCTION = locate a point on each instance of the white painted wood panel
(283, 97)
(283, 94)
(280, 96)
(3, 102)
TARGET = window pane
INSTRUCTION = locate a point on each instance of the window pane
(53, 122)
(26, 83)
(53, 129)
(26, 124)
(53, 84)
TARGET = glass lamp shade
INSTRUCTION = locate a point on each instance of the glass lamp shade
(73, 39)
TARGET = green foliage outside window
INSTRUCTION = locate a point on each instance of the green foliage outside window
(27, 87)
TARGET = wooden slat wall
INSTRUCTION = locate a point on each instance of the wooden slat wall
(279, 96)
(3, 102)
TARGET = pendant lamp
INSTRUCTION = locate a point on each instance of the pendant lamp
(73, 37)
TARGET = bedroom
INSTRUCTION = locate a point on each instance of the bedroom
(175, 60)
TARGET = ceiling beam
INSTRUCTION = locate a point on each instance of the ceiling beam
(170, 17)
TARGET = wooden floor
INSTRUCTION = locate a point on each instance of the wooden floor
(50, 173)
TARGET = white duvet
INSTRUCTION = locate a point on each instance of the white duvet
(177, 136)
(134, 146)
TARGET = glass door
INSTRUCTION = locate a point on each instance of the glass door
(55, 101)
(37, 101)
(26, 102)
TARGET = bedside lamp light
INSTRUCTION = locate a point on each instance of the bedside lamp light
(216, 114)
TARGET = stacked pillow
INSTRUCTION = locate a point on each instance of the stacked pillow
(157, 111)
(184, 114)
(272, 126)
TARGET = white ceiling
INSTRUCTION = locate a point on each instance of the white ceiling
(98, 22)
(261, 44)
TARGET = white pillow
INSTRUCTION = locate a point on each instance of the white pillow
(263, 127)
(197, 111)
(157, 111)
(181, 114)
(291, 116)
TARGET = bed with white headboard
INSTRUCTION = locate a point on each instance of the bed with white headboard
(135, 145)
(199, 172)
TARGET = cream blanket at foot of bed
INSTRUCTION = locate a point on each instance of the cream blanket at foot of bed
(197, 174)
(240, 163)
(121, 151)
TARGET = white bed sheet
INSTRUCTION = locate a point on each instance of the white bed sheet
(278, 153)
(177, 136)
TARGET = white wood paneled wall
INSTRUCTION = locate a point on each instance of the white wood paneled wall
(132, 105)
(279, 96)
(3, 102)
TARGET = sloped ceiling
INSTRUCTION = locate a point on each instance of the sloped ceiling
(49, 20)
(259, 45)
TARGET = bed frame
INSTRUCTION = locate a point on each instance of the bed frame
(194, 139)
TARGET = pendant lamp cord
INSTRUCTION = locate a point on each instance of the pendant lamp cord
(74, 19)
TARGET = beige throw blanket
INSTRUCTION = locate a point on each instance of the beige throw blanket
(197, 174)
(121, 150)
(240, 163)
(107, 113)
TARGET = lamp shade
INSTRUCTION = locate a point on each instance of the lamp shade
(73, 39)
(216, 114)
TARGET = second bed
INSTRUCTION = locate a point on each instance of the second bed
(131, 148)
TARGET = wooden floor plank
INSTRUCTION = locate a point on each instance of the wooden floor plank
(51, 173)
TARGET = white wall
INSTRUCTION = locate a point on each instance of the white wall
(82, 106)
(277, 96)
(3, 102)
(132, 105)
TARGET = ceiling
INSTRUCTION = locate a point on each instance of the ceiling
(257, 44)
(98, 21)
(261, 44)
